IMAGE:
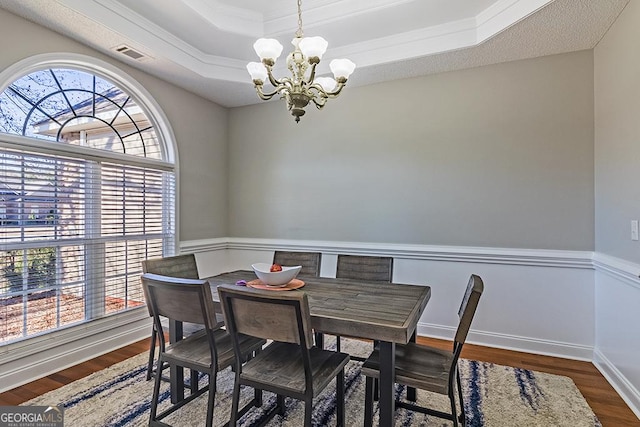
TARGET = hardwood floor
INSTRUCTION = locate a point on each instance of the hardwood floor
(603, 399)
(608, 406)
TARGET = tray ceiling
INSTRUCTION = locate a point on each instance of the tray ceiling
(204, 45)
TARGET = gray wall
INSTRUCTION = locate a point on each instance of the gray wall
(497, 156)
(617, 136)
(200, 127)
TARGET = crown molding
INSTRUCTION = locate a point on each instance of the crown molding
(155, 41)
(504, 13)
(229, 18)
(281, 21)
(447, 37)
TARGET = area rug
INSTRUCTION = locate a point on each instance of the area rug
(495, 395)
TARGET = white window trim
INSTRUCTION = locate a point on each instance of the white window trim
(95, 66)
(42, 343)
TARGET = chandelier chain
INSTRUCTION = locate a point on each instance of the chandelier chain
(299, 32)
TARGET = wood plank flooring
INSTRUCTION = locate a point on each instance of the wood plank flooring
(603, 399)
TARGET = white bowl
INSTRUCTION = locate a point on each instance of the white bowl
(275, 278)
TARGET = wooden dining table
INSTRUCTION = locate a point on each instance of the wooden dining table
(385, 312)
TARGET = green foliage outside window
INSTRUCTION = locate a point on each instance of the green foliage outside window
(41, 268)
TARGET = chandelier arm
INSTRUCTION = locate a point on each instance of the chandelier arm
(275, 82)
(286, 82)
(319, 103)
(336, 92)
(318, 95)
(312, 75)
(326, 94)
(265, 96)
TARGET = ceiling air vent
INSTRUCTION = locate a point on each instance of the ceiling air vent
(131, 53)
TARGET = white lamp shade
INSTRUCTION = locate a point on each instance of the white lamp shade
(342, 68)
(268, 48)
(257, 71)
(327, 83)
(313, 46)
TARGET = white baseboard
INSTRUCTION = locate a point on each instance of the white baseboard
(511, 342)
(626, 390)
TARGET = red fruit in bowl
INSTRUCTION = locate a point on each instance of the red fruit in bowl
(275, 267)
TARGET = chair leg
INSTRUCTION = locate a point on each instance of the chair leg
(233, 420)
(454, 412)
(193, 386)
(368, 402)
(463, 417)
(319, 337)
(281, 408)
(340, 399)
(338, 343)
(156, 392)
(152, 352)
(257, 397)
(308, 410)
(212, 398)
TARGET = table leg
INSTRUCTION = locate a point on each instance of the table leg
(176, 373)
(387, 383)
(411, 391)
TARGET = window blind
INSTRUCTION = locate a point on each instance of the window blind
(73, 233)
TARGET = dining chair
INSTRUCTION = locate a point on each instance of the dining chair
(369, 268)
(290, 365)
(365, 268)
(181, 266)
(428, 368)
(209, 351)
(310, 261)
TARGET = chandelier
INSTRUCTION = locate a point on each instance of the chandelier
(301, 87)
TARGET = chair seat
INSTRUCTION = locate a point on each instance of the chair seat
(417, 366)
(281, 365)
(194, 352)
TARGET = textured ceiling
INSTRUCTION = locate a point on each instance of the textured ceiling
(203, 45)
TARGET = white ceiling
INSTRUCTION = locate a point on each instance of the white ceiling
(204, 45)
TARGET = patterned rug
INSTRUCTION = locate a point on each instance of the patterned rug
(495, 395)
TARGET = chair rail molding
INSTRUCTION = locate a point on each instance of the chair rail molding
(622, 270)
(485, 255)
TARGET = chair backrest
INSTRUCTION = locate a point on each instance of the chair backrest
(184, 300)
(374, 268)
(310, 261)
(278, 316)
(183, 266)
(475, 287)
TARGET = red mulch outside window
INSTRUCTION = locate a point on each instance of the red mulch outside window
(42, 312)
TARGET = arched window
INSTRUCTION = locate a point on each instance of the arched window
(87, 191)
